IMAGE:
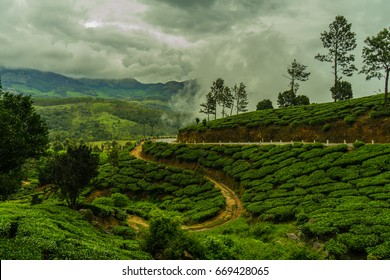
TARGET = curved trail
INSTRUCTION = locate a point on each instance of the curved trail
(232, 211)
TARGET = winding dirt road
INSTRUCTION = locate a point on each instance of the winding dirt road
(232, 211)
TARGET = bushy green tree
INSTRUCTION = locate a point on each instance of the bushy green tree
(264, 105)
(302, 100)
(23, 134)
(342, 91)
(166, 240)
(286, 98)
(339, 41)
(71, 172)
(376, 58)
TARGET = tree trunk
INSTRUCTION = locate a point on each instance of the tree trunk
(386, 86)
(335, 75)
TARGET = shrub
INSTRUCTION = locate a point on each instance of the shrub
(107, 201)
(125, 232)
(358, 144)
(326, 127)
(350, 119)
(120, 200)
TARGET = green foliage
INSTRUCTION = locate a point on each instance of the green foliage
(376, 58)
(72, 171)
(358, 144)
(167, 188)
(23, 135)
(341, 91)
(264, 105)
(166, 240)
(49, 232)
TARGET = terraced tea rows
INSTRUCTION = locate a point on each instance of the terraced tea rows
(151, 185)
(314, 114)
(338, 196)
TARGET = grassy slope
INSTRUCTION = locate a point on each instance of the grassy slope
(314, 114)
(336, 196)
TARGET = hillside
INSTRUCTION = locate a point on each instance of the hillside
(93, 119)
(356, 119)
(49, 84)
(337, 199)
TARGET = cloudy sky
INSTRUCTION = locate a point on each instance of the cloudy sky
(252, 41)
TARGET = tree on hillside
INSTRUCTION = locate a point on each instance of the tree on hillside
(296, 72)
(302, 100)
(152, 119)
(376, 58)
(23, 135)
(226, 101)
(339, 41)
(264, 105)
(286, 98)
(166, 240)
(342, 91)
(217, 90)
(71, 172)
(210, 106)
(241, 98)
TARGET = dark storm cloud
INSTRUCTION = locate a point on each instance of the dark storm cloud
(160, 40)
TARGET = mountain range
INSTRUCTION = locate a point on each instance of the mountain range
(48, 84)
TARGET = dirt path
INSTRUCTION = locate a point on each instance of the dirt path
(232, 211)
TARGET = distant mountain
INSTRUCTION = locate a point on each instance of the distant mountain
(48, 84)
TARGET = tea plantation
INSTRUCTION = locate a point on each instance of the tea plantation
(143, 186)
(51, 231)
(336, 196)
(314, 114)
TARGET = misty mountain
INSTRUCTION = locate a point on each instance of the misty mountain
(48, 84)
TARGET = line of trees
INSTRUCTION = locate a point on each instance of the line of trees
(229, 99)
(340, 42)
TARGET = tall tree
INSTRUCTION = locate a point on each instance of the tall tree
(241, 98)
(71, 172)
(210, 106)
(217, 89)
(23, 134)
(339, 41)
(296, 72)
(376, 58)
(226, 101)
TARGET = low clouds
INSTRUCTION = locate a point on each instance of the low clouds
(251, 41)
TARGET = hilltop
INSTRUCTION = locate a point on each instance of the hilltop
(356, 119)
(48, 84)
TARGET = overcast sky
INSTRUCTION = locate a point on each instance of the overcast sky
(252, 41)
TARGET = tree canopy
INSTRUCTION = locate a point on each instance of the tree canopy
(376, 58)
(23, 135)
(71, 172)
